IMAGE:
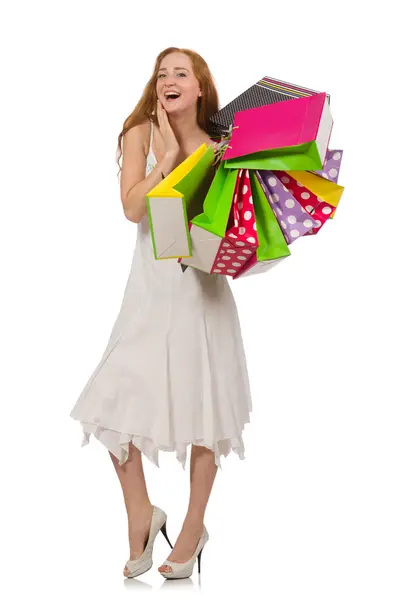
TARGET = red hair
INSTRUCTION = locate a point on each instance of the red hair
(207, 104)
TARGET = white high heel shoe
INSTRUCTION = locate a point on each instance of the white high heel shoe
(144, 562)
(182, 570)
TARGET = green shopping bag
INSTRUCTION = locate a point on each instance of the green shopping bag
(272, 243)
(218, 202)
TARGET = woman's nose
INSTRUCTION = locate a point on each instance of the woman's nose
(171, 80)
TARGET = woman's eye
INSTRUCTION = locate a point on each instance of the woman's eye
(161, 74)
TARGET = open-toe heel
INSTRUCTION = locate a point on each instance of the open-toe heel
(182, 570)
(145, 561)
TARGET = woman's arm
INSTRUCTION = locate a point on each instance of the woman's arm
(133, 184)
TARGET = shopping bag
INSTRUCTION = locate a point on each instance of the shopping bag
(208, 229)
(331, 166)
(272, 245)
(315, 208)
(176, 200)
(241, 239)
(292, 217)
(225, 244)
(323, 189)
(267, 90)
(281, 136)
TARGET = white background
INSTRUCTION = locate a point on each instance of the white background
(311, 511)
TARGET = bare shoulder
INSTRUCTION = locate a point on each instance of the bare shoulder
(135, 136)
(145, 134)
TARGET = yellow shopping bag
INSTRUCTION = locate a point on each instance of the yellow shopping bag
(176, 200)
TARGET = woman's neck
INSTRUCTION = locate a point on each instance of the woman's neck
(185, 126)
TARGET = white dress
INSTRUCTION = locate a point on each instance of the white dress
(174, 370)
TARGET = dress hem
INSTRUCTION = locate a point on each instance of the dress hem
(117, 443)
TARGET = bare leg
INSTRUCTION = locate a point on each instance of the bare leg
(136, 499)
(202, 475)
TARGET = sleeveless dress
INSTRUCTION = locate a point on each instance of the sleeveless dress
(174, 370)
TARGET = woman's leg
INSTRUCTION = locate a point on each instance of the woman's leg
(136, 499)
(202, 475)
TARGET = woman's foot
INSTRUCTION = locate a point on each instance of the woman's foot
(139, 522)
(186, 543)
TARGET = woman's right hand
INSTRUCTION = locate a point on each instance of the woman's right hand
(170, 142)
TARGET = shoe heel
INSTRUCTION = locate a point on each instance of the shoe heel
(164, 532)
(199, 560)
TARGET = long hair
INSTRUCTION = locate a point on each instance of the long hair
(207, 104)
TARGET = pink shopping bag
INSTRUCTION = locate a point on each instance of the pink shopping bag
(282, 125)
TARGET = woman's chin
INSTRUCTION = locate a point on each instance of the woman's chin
(179, 107)
(170, 108)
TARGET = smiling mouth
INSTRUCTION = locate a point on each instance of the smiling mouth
(172, 97)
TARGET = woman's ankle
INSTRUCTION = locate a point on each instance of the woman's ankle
(135, 510)
(194, 521)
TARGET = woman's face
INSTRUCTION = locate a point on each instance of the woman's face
(176, 74)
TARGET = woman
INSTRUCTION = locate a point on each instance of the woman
(174, 371)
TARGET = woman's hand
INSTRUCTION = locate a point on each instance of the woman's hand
(170, 142)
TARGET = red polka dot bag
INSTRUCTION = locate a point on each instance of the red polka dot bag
(241, 239)
(317, 192)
